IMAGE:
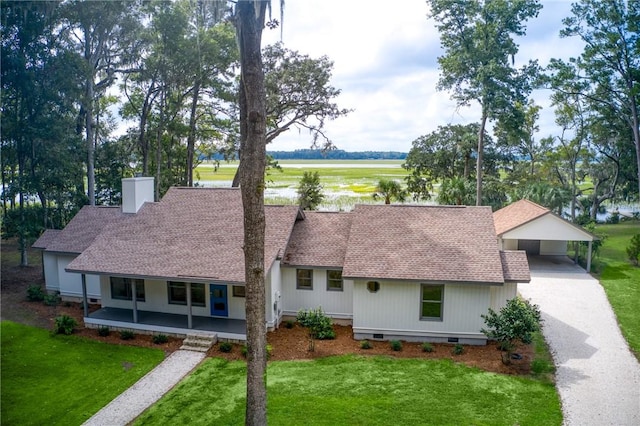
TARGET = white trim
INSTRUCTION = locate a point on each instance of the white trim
(418, 333)
(330, 314)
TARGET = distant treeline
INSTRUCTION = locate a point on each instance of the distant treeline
(336, 154)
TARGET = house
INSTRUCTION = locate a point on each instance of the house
(405, 272)
(525, 225)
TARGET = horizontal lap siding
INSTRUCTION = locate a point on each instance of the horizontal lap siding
(396, 306)
(337, 303)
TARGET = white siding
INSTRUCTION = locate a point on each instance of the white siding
(395, 309)
(548, 227)
(338, 304)
(509, 244)
(501, 294)
(50, 265)
(71, 282)
(236, 304)
(553, 248)
(273, 303)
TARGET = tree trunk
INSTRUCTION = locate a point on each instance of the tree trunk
(89, 129)
(191, 140)
(250, 16)
(483, 124)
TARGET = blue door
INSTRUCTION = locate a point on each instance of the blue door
(219, 305)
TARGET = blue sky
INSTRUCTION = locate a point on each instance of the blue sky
(385, 63)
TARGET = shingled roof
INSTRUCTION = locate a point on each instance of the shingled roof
(192, 233)
(422, 243)
(517, 214)
(320, 240)
(81, 231)
(46, 239)
(515, 266)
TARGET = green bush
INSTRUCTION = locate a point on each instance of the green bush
(396, 345)
(52, 299)
(289, 324)
(226, 347)
(159, 339)
(365, 344)
(35, 293)
(104, 331)
(64, 324)
(633, 249)
(127, 335)
(320, 325)
(427, 347)
(458, 349)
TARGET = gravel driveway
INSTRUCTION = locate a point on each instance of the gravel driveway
(598, 378)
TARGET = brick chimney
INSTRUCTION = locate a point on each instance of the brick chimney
(135, 192)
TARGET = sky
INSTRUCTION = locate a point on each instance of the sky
(385, 57)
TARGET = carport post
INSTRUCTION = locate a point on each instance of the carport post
(189, 315)
(134, 300)
(85, 303)
(589, 256)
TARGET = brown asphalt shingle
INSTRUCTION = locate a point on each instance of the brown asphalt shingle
(515, 266)
(319, 240)
(517, 214)
(83, 229)
(192, 233)
(421, 243)
(46, 239)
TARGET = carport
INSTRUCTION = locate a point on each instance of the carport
(525, 225)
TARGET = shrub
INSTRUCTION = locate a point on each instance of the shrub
(517, 321)
(633, 249)
(52, 299)
(127, 335)
(427, 347)
(159, 339)
(320, 326)
(290, 324)
(103, 331)
(458, 349)
(226, 347)
(396, 345)
(64, 324)
(365, 344)
(614, 218)
(244, 350)
(35, 293)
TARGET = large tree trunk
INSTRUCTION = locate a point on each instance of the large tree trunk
(250, 16)
(191, 139)
(483, 124)
(89, 129)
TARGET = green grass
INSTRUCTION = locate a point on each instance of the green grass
(542, 366)
(621, 280)
(360, 391)
(63, 379)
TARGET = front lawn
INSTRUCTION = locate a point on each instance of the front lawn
(621, 280)
(48, 380)
(360, 390)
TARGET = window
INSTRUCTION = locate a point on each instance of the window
(178, 293)
(431, 305)
(334, 280)
(304, 279)
(373, 286)
(239, 291)
(121, 289)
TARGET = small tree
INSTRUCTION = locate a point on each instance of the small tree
(310, 191)
(320, 326)
(389, 190)
(633, 249)
(517, 320)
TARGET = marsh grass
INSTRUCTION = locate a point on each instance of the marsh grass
(360, 390)
(61, 379)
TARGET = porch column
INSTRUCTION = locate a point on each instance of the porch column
(85, 303)
(576, 249)
(134, 300)
(189, 314)
(589, 256)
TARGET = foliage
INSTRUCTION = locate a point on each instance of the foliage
(52, 299)
(396, 345)
(389, 190)
(427, 347)
(244, 350)
(103, 331)
(320, 326)
(457, 192)
(338, 390)
(596, 244)
(159, 339)
(64, 324)
(633, 249)
(516, 321)
(127, 334)
(36, 367)
(290, 324)
(457, 349)
(35, 293)
(310, 194)
(226, 347)
(365, 344)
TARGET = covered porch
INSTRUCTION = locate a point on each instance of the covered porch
(158, 322)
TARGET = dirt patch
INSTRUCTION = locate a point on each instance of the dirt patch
(286, 343)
